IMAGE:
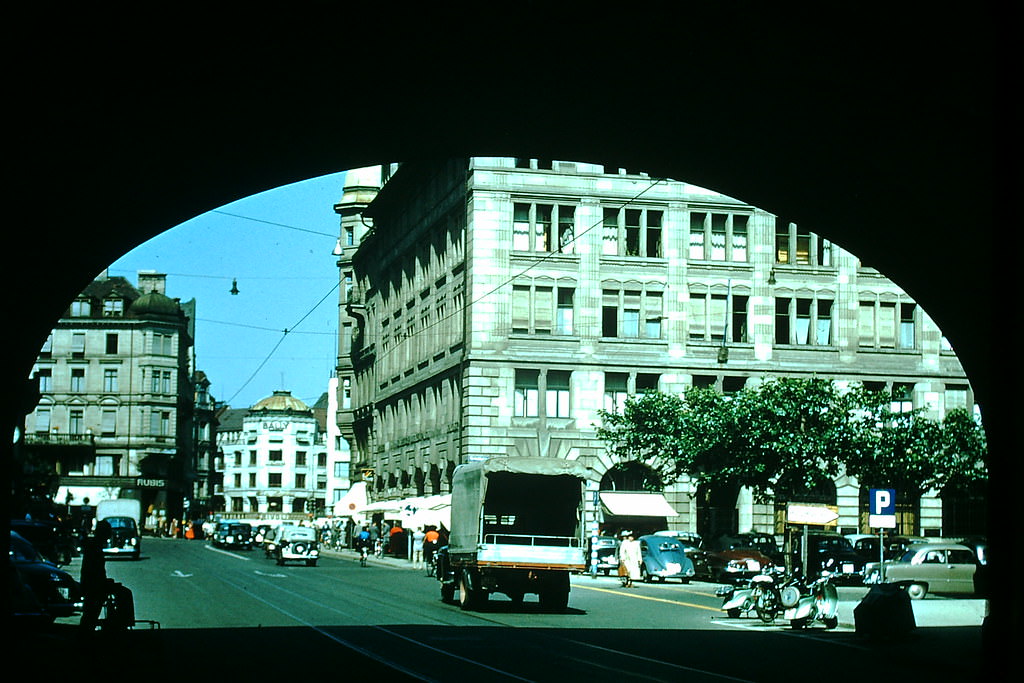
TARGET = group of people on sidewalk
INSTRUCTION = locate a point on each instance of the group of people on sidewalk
(424, 543)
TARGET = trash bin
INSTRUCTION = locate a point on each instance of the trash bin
(885, 612)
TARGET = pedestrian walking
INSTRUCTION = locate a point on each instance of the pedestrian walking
(629, 557)
(417, 547)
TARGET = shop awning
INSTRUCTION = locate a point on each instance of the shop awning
(353, 502)
(636, 504)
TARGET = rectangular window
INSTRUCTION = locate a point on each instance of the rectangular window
(275, 456)
(738, 328)
(782, 251)
(803, 248)
(77, 380)
(803, 321)
(698, 319)
(631, 314)
(646, 382)
(717, 312)
(78, 344)
(824, 252)
(887, 325)
(782, 321)
(521, 227)
(824, 323)
(567, 229)
(718, 236)
(543, 310)
(43, 420)
(902, 398)
(907, 326)
(274, 480)
(110, 380)
(615, 391)
(610, 241)
(866, 324)
(556, 399)
(697, 236)
(104, 466)
(542, 228)
(653, 313)
(610, 313)
(300, 458)
(113, 308)
(108, 425)
(653, 233)
(632, 232)
(566, 305)
(739, 238)
(534, 226)
(112, 343)
(527, 393)
(45, 378)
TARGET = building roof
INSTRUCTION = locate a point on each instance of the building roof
(281, 401)
(155, 304)
(231, 419)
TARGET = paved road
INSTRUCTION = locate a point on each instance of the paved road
(237, 614)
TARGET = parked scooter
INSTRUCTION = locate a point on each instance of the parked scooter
(804, 603)
(760, 595)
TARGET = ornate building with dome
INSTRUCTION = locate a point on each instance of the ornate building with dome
(116, 410)
(275, 459)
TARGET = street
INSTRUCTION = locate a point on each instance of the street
(236, 612)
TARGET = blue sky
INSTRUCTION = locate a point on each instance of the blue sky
(278, 245)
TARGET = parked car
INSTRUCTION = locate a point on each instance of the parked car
(663, 557)
(765, 543)
(832, 553)
(54, 542)
(232, 535)
(979, 545)
(727, 560)
(54, 589)
(124, 538)
(607, 554)
(297, 543)
(259, 533)
(929, 568)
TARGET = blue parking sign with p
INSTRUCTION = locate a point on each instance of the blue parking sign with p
(883, 501)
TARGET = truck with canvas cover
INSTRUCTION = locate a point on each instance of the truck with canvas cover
(516, 528)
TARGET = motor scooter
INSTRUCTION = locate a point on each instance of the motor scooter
(760, 595)
(804, 603)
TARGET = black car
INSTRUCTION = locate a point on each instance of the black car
(55, 591)
(124, 538)
(607, 548)
(53, 541)
(831, 553)
(233, 535)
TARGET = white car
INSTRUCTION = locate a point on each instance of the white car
(929, 567)
(296, 543)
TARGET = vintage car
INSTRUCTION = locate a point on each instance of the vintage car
(831, 553)
(929, 568)
(664, 557)
(728, 559)
(296, 543)
(867, 545)
(53, 540)
(232, 535)
(56, 592)
(124, 538)
(607, 557)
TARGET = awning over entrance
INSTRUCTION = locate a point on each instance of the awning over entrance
(414, 512)
(636, 504)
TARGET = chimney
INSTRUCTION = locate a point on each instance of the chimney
(152, 281)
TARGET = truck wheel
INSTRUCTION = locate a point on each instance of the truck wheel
(469, 596)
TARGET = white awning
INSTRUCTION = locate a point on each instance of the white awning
(636, 504)
(353, 502)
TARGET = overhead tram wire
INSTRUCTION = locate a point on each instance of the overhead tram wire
(536, 263)
(282, 340)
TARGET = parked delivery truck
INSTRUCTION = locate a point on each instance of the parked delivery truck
(124, 515)
(516, 528)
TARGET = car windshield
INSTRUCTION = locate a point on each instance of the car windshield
(121, 522)
(908, 556)
(23, 551)
(301, 532)
(834, 544)
(240, 529)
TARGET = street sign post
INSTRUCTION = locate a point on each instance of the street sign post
(807, 514)
(882, 515)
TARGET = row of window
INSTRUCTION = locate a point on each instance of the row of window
(159, 381)
(112, 308)
(634, 314)
(160, 344)
(626, 231)
(275, 480)
(548, 393)
(160, 423)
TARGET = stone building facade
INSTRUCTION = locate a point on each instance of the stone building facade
(493, 305)
(115, 415)
(274, 459)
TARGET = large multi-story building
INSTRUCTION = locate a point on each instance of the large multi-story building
(494, 305)
(274, 459)
(116, 399)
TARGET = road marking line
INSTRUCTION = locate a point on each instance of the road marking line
(225, 552)
(647, 597)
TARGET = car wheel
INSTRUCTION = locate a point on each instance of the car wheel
(733, 613)
(644, 576)
(830, 622)
(797, 624)
(916, 591)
